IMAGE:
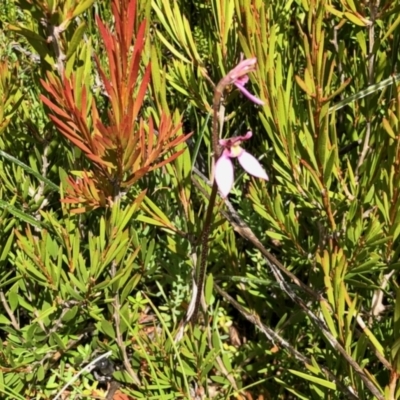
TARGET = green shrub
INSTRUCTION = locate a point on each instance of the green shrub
(112, 228)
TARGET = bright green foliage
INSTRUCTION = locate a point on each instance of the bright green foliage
(105, 156)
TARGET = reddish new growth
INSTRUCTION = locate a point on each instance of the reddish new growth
(127, 147)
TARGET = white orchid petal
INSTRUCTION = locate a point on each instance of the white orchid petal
(251, 165)
(224, 174)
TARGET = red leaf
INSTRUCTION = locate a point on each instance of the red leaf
(135, 60)
(142, 91)
(121, 396)
(53, 107)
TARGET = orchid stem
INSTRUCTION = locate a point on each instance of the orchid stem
(238, 77)
(202, 270)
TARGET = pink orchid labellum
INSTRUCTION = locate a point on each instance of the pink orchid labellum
(224, 174)
(238, 77)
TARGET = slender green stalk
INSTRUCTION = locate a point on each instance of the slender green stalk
(234, 75)
(200, 278)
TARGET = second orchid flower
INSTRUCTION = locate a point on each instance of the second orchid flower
(224, 173)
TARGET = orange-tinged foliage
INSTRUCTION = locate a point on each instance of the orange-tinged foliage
(127, 147)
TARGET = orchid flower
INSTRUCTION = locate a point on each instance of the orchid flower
(224, 175)
(238, 77)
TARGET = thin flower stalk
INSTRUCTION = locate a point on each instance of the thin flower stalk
(238, 77)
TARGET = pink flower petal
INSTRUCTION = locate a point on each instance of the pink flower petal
(225, 142)
(247, 136)
(250, 96)
(233, 140)
(251, 165)
(243, 68)
(224, 174)
(242, 80)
